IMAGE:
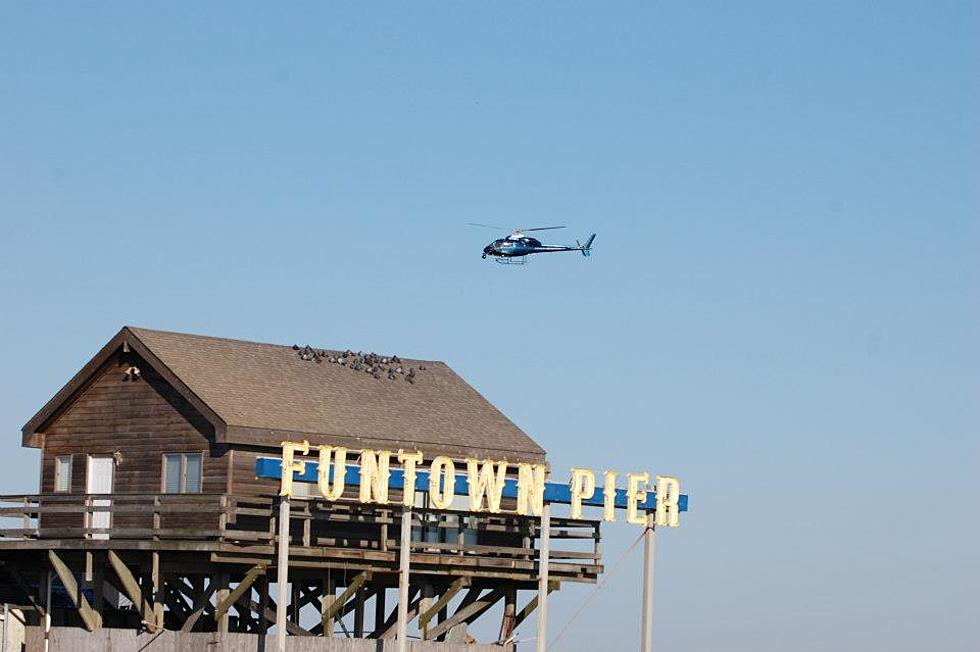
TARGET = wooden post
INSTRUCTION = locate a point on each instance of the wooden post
(98, 588)
(47, 608)
(359, 613)
(380, 610)
(282, 574)
(646, 634)
(6, 626)
(428, 598)
(222, 597)
(403, 572)
(157, 588)
(295, 601)
(263, 591)
(329, 591)
(510, 616)
(543, 558)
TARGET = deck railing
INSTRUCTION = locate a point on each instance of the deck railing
(154, 517)
(347, 529)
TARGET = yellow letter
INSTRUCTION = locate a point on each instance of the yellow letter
(442, 466)
(484, 480)
(583, 487)
(609, 497)
(332, 491)
(668, 493)
(288, 465)
(374, 476)
(408, 461)
(636, 495)
(530, 488)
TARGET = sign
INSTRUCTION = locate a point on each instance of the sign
(485, 482)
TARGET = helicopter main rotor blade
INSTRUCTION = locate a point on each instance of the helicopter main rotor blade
(542, 228)
(488, 226)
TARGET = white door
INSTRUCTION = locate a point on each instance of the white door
(99, 481)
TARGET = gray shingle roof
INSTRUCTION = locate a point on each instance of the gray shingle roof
(265, 393)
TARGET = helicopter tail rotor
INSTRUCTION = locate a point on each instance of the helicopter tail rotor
(587, 247)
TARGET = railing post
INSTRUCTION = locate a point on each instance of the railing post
(223, 516)
(156, 518)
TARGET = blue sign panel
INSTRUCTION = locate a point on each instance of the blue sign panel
(269, 467)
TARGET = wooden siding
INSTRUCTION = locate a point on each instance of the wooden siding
(136, 420)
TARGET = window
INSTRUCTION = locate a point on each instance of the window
(182, 473)
(62, 473)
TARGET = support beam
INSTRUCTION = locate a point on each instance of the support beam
(393, 623)
(387, 624)
(531, 606)
(380, 610)
(646, 633)
(24, 586)
(342, 599)
(468, 613)
(510, 614)
(329, 590)
(404, 558)
(359, 612)
(221, 596)
(132, 590)
(427, 615)
(428, 596)
(543, 563)
(262, 586)
(157, 587)
(175, 600)
(90, 617)
(200, 604)
(271, 615)
(245, 585)
(346, 609)
(282, 574)
(296, 601)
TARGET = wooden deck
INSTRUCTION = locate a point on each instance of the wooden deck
(205, 563)
(242, 530)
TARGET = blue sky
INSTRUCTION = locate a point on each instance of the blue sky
(781, 308)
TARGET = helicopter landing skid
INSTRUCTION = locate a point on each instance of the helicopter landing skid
(517, 260)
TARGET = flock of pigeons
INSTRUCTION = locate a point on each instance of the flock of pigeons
(370, 363)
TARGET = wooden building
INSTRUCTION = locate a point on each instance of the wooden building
(149, 513)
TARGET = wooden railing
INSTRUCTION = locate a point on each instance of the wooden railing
(119, 516)
(249, 522)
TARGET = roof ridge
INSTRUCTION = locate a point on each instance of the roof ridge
(138, 329)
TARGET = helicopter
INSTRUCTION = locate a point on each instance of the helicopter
(513, 248)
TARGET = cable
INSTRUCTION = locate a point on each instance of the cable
(595, 592)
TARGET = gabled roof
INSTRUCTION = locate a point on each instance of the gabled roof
(263, 394)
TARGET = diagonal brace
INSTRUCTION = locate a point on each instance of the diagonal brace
(91, 617)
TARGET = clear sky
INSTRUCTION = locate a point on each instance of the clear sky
(781, 308)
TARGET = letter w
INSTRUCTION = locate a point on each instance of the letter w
(485, 480)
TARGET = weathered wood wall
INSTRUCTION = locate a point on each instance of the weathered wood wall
(140, 419)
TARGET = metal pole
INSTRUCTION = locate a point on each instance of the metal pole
(646, 636)
(544, 554)
(47, 611)
(282, 574)
(403, 563)
(6, 625)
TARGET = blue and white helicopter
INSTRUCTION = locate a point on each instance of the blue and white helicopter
(513, 249)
